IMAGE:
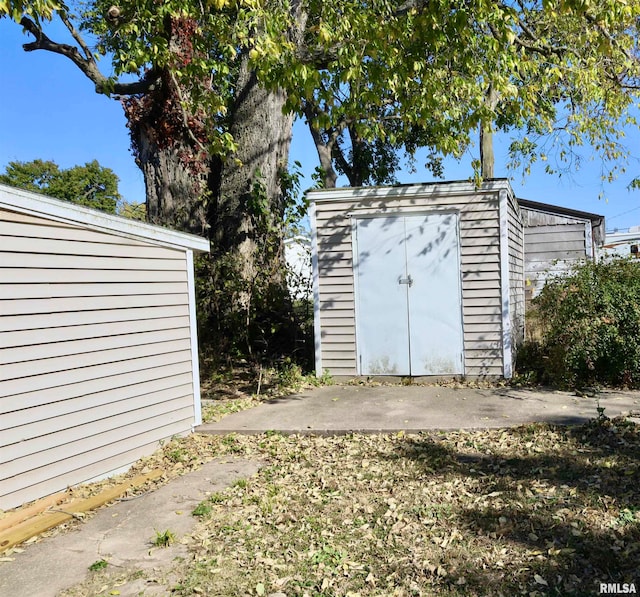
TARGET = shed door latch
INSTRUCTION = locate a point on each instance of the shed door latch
(408, 280)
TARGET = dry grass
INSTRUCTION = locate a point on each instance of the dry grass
(535, 510)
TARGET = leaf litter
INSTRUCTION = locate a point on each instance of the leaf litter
(534, 510)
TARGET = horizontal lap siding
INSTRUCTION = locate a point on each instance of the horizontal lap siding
(551, 250)
(516, 273)
(95, 354)
(480, 270)
(337, 299)
(480, 255)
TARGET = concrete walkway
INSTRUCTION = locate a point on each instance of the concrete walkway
(122, 534)
(346, 409)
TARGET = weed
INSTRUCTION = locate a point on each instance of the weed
(231, 443)
(329, 556)
(98, 565)
(628, 516)
(202, 510)
(178, 454)
(217, 498)
(164, 539)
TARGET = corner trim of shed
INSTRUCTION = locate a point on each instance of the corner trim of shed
(193, 325)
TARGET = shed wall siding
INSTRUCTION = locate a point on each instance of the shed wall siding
(516, 272)
(552, 248)
(95, 353)
(480, 255)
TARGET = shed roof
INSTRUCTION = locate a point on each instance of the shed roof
(597, 220)
(445, 187)
(38, 205)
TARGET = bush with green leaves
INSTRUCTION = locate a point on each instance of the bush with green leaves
(590, 327)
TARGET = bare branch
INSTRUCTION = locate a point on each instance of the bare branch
(86, 65)
(74, 32)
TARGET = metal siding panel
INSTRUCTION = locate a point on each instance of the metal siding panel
(121, 383)
(64, 305)
(87, 359)
(74, 276)
(60, 289)
(48, 334)
(112, 465)
(51, 351)
(52, 320)
(30, 436)
(110, 400)
(83, 262)
(43, 451)
(122, 454)
(39, 228)
(88, 373)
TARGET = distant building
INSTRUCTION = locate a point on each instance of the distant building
(622, 244)
(297, 254)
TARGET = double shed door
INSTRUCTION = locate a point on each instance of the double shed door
(409, 310)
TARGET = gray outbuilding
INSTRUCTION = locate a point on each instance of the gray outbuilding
(555, 239)
(98, 343)
(417, 280)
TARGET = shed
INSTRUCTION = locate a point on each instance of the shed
(98, 343)
(417, 280)
(555, 239)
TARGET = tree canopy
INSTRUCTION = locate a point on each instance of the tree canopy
(430, 73)
(91, 185)
(375, 78)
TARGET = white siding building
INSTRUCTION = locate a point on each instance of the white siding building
(98, 343)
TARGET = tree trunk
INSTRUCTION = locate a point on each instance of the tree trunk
(487, 158)
(174, 162)
(246, 219)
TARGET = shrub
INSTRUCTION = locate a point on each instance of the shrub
(590, 327)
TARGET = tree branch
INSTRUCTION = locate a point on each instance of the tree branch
(185, 119)
(74, 32)
(86, 65)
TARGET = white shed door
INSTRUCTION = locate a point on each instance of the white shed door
(409, 314)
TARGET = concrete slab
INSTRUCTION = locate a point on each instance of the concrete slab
(346, 409)
(121, 534)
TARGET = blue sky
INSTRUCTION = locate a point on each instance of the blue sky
(50, 111)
